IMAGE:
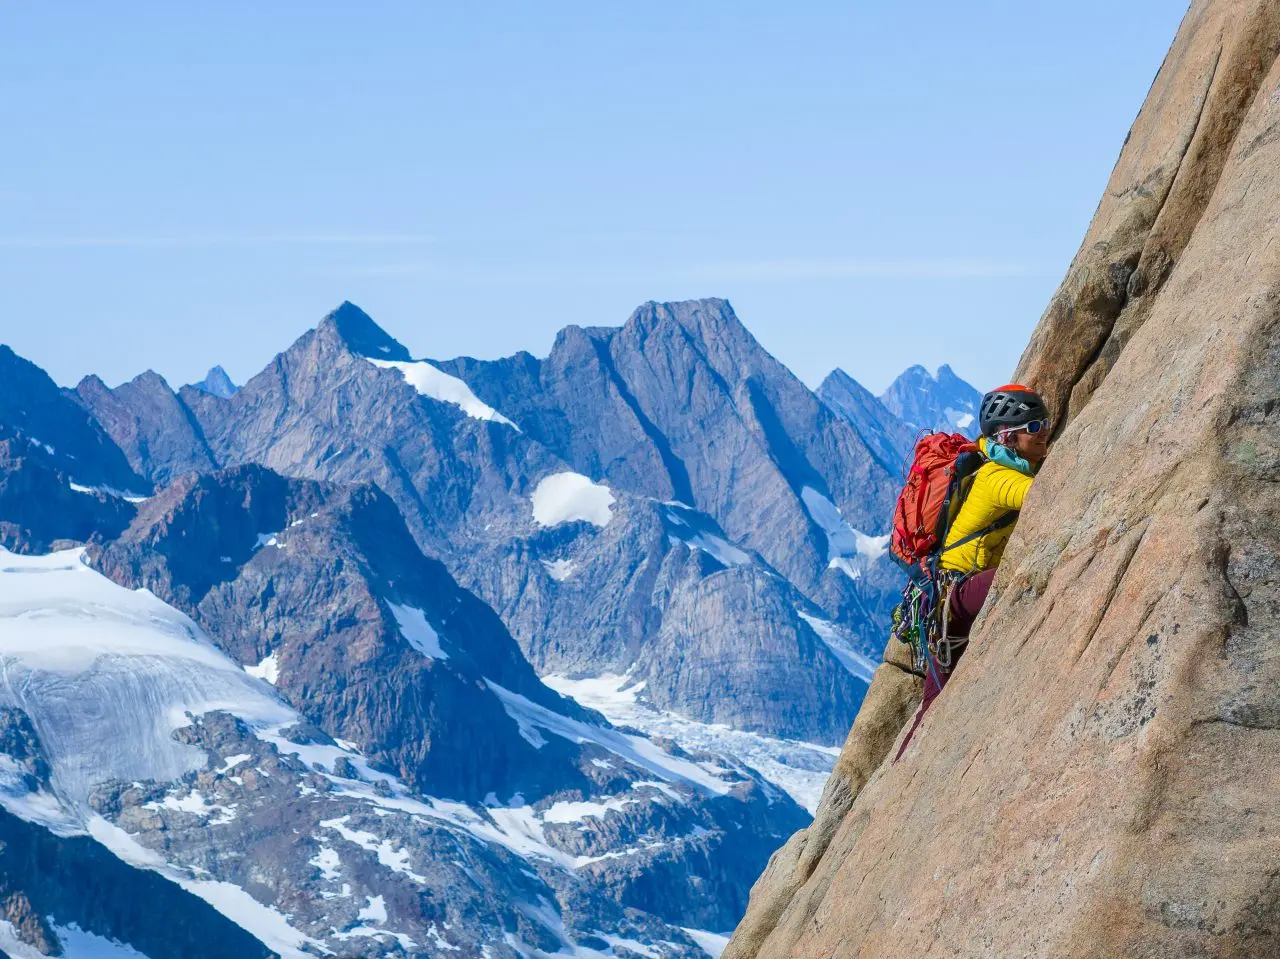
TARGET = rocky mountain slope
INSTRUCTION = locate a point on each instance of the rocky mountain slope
(1100, 777)
(195, 769)
(883, 432)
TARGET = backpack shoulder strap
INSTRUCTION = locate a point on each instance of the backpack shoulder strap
(1008, 519)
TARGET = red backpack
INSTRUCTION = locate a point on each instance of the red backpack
(931, 497)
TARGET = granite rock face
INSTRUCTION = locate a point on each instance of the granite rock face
(1101, 776)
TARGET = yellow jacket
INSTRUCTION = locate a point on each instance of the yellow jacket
(995, 491)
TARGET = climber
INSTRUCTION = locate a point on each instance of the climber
(1015, 438)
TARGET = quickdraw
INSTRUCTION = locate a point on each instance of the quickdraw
(922, 620)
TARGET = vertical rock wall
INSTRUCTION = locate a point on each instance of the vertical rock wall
(1102, 776)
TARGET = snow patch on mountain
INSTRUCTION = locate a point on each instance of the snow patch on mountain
(569, 497)
(634, 749)
(559, 569)
(419, 633)
(268, 670)
(76, 944)
(565, 812)
(800, 769)
(696, 530)
(842, 539)
(436, 384)
(712, 943)
(841, 645)
(108, 491)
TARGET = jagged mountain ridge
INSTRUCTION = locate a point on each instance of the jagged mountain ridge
(176, 547)
(933, 401)
(337, 406)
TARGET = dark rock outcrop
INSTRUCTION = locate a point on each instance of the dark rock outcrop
(32, 407)
(39, 506)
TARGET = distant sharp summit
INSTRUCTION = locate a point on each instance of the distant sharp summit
(217, 383)
(933, 401)
(883, 432)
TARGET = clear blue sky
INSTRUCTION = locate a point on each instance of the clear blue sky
(871, 185)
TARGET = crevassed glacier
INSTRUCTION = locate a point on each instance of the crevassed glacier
(107, 674)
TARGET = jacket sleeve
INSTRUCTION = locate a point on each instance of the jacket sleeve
(1009, 488)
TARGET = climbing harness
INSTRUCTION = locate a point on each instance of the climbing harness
(922, 621)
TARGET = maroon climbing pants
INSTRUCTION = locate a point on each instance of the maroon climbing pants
(965, 604)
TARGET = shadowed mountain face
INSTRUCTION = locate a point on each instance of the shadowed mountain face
(153, 427)
(33, 408)
(883, 432)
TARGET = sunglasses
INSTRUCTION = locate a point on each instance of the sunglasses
(1033, 427)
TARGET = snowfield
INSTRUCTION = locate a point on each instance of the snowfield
(436, 384)
(842, 539)
(799, 769)
(107, 673)
(419, 633)
(569, 497)
(76, 944)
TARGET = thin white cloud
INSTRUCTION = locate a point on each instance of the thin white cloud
(134, 241)
(781, 270)
(838, 268)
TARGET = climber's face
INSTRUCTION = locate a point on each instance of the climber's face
(1032, 447)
